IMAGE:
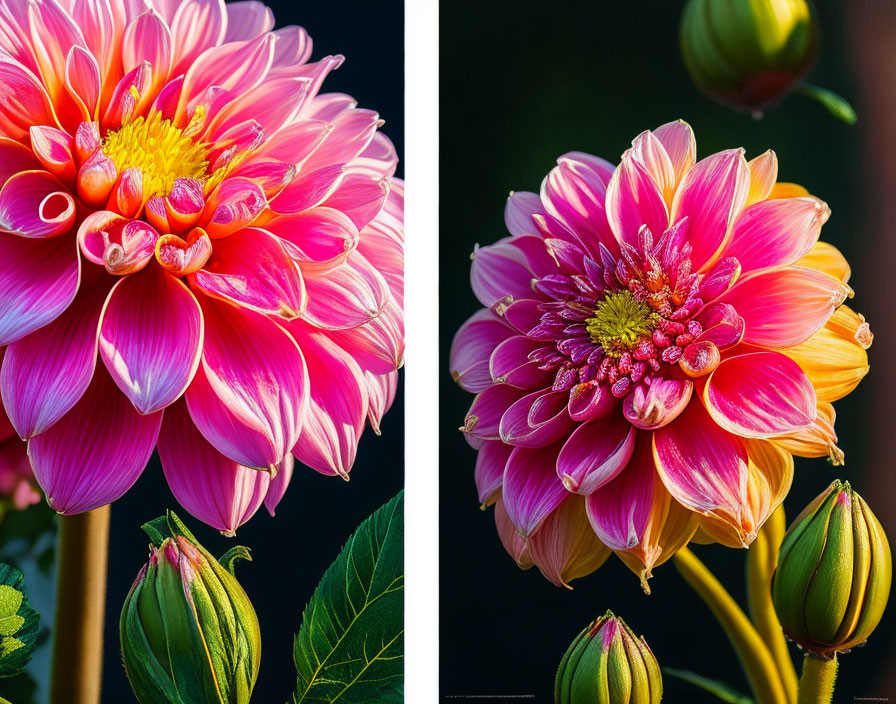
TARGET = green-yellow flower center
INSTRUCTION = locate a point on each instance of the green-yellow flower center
(159, 149)
(620, 322)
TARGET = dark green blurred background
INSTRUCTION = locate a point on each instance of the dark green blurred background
(522, 83)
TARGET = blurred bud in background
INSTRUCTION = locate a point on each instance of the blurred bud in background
(834, 572)
(18, 488)
(189, 634)
(750, 54)
(608, 664)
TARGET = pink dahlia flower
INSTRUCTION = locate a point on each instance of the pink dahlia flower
(659, 339)
(181, 203)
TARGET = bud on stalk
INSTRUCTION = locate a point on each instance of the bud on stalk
(748, 53)
(834, 572)
(189, 634)
(608, 664)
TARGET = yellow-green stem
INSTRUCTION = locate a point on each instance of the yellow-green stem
(762, 559)
(817, 680)
(80, 607)
(755, 658)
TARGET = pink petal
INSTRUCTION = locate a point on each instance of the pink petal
(45, 373)
(15, 157)
(681, 147)
(96, 452)
(634, 200)
(232, 206)
(250, 406)
(338, 405)
(595, 453)
(377, 346)
(703, 466)
(651, 154)
(760, 395)
(536, 420)
(784, 307)
(213, 488)
(151, 338)
(656, 405)
(490, 463)
(501, 270)
(473, 345)
(776, 232)
(590, 401)
(574, 193)
(54, 150)
(359, 195)
(38, 280)
(253, 269)
(510, 364)
(35, 204)
(484, 417)
(247, 19)
(381, 391)
(516, 546)
(319, 238)
(120, 245)
(309, 189)
(31, 106)
(532, 489)
(518, 212)
(279, 483)
(710, 196)
(349, 295)
(147, 38)
(195, 27)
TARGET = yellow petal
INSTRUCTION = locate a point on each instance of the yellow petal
(763, 172)
(827, 258)
(787, 190)
(819, 440)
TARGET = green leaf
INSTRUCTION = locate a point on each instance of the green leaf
(19, 623)
(833, 103)
(350, 647)
(167, 526)
(724, 692)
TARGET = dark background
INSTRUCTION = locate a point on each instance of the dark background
(522, 83)
(317, 514)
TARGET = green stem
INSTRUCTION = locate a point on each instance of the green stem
(833, 103)
(83, 548)
(762, 559)
(817, 680)
(755, 658)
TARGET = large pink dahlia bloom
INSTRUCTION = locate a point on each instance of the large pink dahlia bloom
(659, 339)
(181, 202)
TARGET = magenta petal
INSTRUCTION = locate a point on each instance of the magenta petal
(338, 405)
(248, 404)
(620, 511)
(536, 420)
(484, 417)
(595, 453)
(635, 200)
(94, 453)
(710, 196)
(320, 237)
(349, 295)
(279, 483)
(678, 139)
(590, 401)
(490, 464)
(532, 489)
(501, 270)
(38, 280)
(35, 204)
(253, 269)
(213, 488)
(703, 466)
(45, 373)
(784, 307)
(518, 212)
(381, 390)
(760, 395)
(473, 345)
(776, 232)
(151, 338)
(378, 346)
(509, 363)
(15, 158)
(654, 406)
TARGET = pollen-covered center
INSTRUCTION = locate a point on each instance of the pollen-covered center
(159, 149)
(620, 321)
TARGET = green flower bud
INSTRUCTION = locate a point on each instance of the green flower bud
(608, 664)
(834, 573)
(748, 53)
(189, 634)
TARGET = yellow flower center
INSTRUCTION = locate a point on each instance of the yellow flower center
(620, 322)
(159, 149)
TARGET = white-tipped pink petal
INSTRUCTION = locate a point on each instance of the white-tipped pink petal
(38, 280)
(634, 200)
(31, 106)
(349, 295)
(776, 232)
(337, 408)
(148, 38)
(381, 391)
(710, 196)
(319, 239)
(760, 395)
(250, 394)
(95, 453)
(678, 140)
(253, 269)
(122, 246)
(35, 204)
(531, 487)
(279, 483)
(309, 189)
(247, 19)
(45, 373)
(595, 453)
(151, 338)
(232, 206)
(784, 307)
(213, 488)
(656, 405)
(54, 149)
